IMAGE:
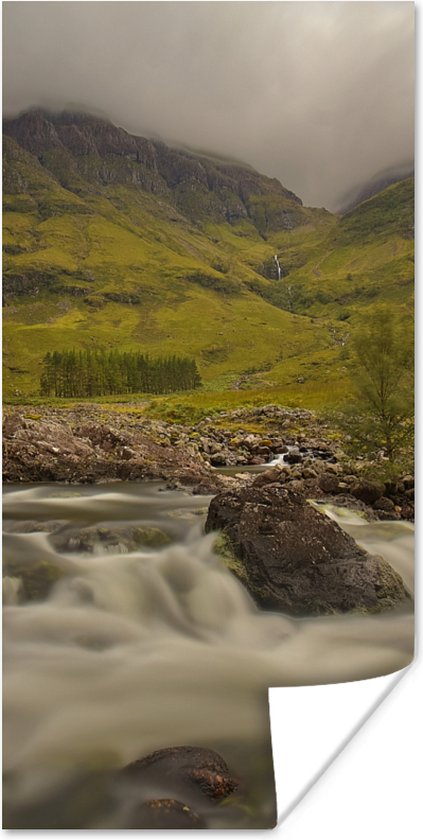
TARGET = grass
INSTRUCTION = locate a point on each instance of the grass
(204, 286)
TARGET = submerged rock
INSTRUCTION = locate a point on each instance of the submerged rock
(33, 580)
(295, 559)
(98, 539)
(190, 773)
(165, 813)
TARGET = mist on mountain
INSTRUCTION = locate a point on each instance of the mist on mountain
(319, 95)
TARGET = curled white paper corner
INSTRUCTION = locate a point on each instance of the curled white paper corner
(312, 725)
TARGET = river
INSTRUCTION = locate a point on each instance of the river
(136, 649)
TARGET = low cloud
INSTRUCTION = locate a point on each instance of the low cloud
(319, 95)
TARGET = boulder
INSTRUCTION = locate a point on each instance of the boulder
(384, 504)
(368, 491)
(295, 559)
(269, 476)
(335, 469)
(193, 774)
(293, 457)
(297, 485)
(329, 483)
(408, 481)
(308, 472)
(219, 459)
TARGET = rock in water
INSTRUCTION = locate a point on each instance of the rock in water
(99, 539)
(193, 774)
(165, 813)
(35, 578)
(292, 558)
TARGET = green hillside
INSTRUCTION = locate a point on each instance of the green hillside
(368, 257)
(117, 242)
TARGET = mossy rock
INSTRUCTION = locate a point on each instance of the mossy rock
(224, 549)
(94, 539)
(151, 537)
(37, 579)
(293, 558)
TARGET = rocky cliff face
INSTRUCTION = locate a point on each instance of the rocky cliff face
(76, 148)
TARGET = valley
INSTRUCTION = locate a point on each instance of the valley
(117, 242)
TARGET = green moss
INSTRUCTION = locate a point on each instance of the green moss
(151, 537)
(224, 549)
(36, 579)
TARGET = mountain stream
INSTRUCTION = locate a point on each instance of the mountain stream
(136, 648)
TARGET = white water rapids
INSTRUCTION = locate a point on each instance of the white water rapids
(136, 651)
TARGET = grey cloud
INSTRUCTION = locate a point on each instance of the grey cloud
(319, 95)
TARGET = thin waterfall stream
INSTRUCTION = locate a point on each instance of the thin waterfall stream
(278, 266)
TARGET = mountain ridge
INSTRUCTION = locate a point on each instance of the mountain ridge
(374, 185)
(170, 254)
(92, 148)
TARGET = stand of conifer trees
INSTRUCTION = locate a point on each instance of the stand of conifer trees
(89, 373)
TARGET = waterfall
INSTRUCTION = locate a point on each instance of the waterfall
(278, 266)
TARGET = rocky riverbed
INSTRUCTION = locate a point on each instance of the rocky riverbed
(94, 444)
(158, 641)
(156, 655)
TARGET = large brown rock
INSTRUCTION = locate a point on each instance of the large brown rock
(190, 774)
(368, 491)
(295, 559)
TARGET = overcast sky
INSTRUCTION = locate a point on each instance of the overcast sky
(319, 95)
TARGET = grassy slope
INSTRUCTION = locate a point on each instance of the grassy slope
(121, 240)
(367, 258)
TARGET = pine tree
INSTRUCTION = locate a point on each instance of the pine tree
(90, 373)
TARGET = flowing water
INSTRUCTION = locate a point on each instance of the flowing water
(138, 648)
(278, 267)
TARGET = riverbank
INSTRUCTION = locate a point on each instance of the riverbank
(294, 447)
